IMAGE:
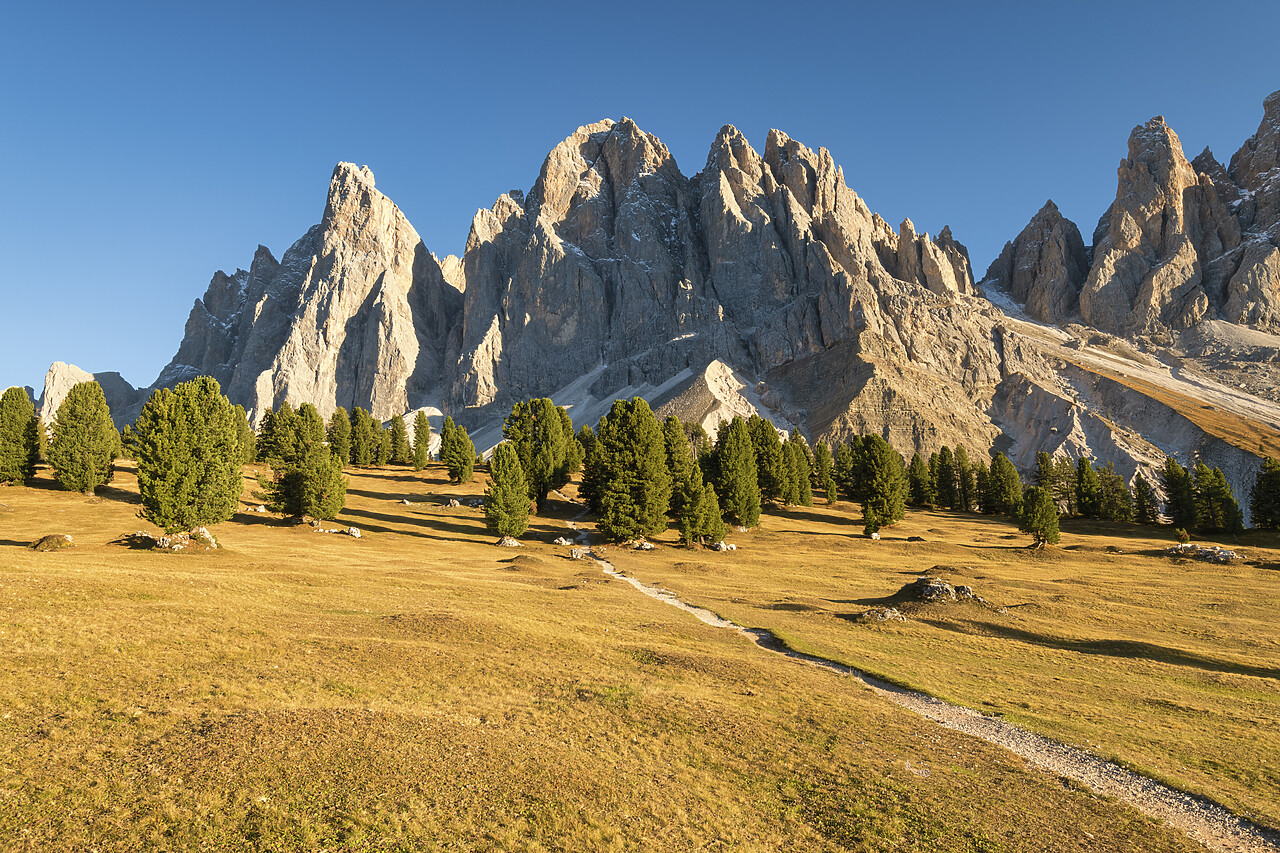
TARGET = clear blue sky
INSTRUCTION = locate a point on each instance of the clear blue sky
(151, 144)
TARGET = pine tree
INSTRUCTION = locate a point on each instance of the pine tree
(401, 452)
(1064, 484)
(339, 435)
(699, 517)
(383, 447)
(573, 452)
(284, 438)
(1115, 501)
(770, 469)
(832, 491)
(365, 438)
(637, 484)
(310, 430)
(457, 452)
(1145, 508)
(844, 469)
(795, 455)
(85, 440)
(1264, 497)
(680, 463)
(870, 522)
(1088, 489)
(245, 435)
(1179, 494)
(986, 495)
(190, 451)
(592, 486)
(946, 480)
(821, 465)
(737, 484)
(920, 489)
(966, 483)
(886, 480)
(536, 430)
(506, 501)
(1044, 476)
(308, 483)
(1216, 508)
(18, 447)
(1039, 516)
(1006, 486)
(422, 442)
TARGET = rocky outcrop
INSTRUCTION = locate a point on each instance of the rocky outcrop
(122, 398)
(1044, 267)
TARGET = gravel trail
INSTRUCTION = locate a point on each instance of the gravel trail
(1206, 822)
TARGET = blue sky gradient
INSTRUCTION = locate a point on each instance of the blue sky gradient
(150, 144)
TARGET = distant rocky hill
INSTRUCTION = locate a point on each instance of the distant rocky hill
(763, 280)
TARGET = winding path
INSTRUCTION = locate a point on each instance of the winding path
(1206, 822)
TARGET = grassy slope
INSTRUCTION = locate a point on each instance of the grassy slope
(420, 689)
(1169, 666)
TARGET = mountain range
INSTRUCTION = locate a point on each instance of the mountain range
(764, 283)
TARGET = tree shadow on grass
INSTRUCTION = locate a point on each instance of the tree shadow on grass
(435, 523)
(1112, 648)
(14, 543)
(118, 495)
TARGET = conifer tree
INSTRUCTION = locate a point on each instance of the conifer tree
(266, 435)
(966, 483)
(946, 480)
(1039, 516)
(592, 486)
(737, 484)
(986, 495)
(284, 437)
(1044, 476)
(573, 452)
(506, 501)
(886, 480)
(457, 452)
(1264, 497)
(870, 522)
(1088, 489)
(699, 516)
(920, 489)
(821, 465)
(795, 454)
(536, 430)
(680, 463)
(18, 445)
(699, 441)
(769, 463)
(832, 491)
(637, 484)
(1006, 486)
(383, 449)
(1145, 508)
(309, 430)
(1179, 494)
(1216, 508)
(365, 438)
(844, 468)
(339, 434)
(422, 443)
(85, 441)
(401, 451)
(244, 433)
(1115, 501)
(1064, 484)
(190, 450)
(308, 482)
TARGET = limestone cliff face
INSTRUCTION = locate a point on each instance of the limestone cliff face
(357, 313)
(1044, 267)
(122, 398)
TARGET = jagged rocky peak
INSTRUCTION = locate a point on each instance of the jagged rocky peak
(1154, 245)
(121, 397)
(1043, 267)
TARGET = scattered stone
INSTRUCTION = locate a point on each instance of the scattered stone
(643, 546)
(740, 529)
(875, 536)
(577, 554)
(476, 503)
(1112, 549)
(925, 588)
(258, 508)
(353, 532)
(720, 546)
(452, 502)
(54, 542)
(1211, 554)
(406, 502)
(508, 542)
(882, 614)
(915, 538)
(560, 540)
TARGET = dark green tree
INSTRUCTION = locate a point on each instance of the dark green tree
(593, 473)
(573, 452)
(383, 450)
(680, 463)
(339, 434)
(1145, 508)
(1088, 489)
(85, 441)
(1006, 486)
(365, 438)
(699, 516)
(637, 484)
(986, 494)
(422, 443)
(1179, 495)
(457, 452)
(920, 488)
(309, 483)
(401, 452)
(1039, 516)
(966, 482)
(737, 484)
(190, 450)
(870, 522)
(506, 501)
(310, 429)
(1264, 497)
(845, 468)
(18, 444)
(245, 435)
(266, 435)
(1216, 508)
(537, 433)
(821, 465)
(770, 468)
(795, 456)
(1115, 501)
(283, 443)
(946, 480)
(886, 482)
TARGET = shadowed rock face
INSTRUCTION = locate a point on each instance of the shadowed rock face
(1044, 267)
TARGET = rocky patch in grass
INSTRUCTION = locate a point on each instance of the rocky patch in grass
(53, 542)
